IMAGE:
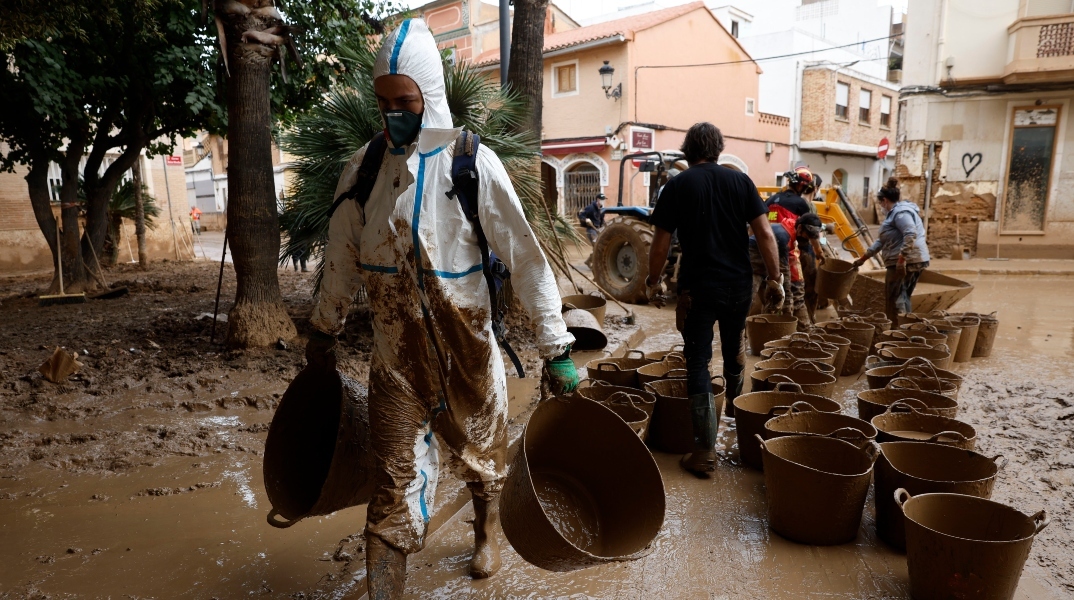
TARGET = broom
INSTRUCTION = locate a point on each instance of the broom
(61, 298)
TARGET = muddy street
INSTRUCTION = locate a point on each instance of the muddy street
(140, 476)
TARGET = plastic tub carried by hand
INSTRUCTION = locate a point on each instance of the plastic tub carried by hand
(835, 278)
(566, 505)
(960, 546)
(318, 456)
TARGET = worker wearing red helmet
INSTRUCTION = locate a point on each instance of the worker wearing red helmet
(785, 208)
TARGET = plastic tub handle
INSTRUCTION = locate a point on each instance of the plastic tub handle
(615, 367)
(1040, 521)
(911, 404)
(789, 386)
(847, 434)
(951, 434)
(871, 450)
(1001, 461)
(914, 385)
(801, 406)
(281, 524)
(901, 496)
(633, 351)
(805, 363)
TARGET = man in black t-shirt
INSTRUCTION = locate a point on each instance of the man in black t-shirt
(592, 218)
(711, 206)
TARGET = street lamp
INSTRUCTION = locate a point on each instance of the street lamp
(606, 73)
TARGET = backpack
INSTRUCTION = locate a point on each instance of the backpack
(465, 186)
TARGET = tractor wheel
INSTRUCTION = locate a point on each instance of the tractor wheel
(621, 259)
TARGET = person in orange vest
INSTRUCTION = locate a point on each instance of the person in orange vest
(195, 220)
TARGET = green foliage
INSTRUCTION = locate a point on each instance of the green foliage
(325, 138)
(122, 204)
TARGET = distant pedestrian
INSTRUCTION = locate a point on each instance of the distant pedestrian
(195, 220)
(300, 258)
(902, 246)
(592, 218)
(710, 206)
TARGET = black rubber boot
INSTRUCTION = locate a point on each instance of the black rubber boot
(702, 460)
(486, 559)
(385, 569)
(734, 390)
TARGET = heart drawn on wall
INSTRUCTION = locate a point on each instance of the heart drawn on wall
(970, 162)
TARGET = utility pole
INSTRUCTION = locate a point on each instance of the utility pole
(505, 40)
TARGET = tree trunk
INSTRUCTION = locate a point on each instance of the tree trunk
(259, 316)
(139, 214)
(526, 71)
(41, 201)
(75, 277)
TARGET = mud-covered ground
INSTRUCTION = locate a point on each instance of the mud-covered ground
(140, 475)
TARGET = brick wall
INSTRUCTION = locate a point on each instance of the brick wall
(15, 210)
(819, 121)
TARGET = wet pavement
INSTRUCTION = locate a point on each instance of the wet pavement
(189, 522)
(716, 543)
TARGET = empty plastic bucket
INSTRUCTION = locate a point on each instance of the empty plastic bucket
(753, 410)
(925, 469)
(961, 546)
(816, 487)
(317, 455)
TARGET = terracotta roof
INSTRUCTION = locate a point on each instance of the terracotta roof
(609, 29)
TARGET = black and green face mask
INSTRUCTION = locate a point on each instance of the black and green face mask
(403, 126)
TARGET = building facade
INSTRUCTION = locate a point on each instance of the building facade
(985, 110)
(648, 102)
(847, 122)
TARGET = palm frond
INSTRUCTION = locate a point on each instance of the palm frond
(325, 138)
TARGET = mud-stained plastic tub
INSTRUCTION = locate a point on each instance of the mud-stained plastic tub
(583, 489)
(672, 427)
(905, 423)
(753, 410)
(960, 546)
(874, 402)
(816, 487)
(761, 329)
(926, 469)
(317, 455)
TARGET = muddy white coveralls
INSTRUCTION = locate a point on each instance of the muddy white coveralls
(412, 242)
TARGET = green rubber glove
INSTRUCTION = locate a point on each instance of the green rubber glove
(562, 374)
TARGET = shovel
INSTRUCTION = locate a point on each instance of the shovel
(957, 250)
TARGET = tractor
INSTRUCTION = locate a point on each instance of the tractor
(620, 258)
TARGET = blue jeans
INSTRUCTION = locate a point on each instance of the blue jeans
(728, 305)
(897, 290)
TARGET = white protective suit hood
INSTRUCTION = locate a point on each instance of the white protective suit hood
(411, 50)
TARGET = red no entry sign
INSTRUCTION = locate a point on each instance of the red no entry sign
(882, 148)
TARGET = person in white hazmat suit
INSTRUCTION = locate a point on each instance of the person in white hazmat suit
(436, 366)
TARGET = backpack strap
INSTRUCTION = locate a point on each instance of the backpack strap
(465, 186)
(367, 174)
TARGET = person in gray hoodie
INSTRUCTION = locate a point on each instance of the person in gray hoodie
(902, 246)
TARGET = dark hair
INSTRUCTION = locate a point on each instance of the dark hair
(890, 191)
(810, 220)
(703, 142)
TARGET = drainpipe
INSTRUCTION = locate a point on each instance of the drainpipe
(941, 42)
(796, 130)
(505, 39)
(928, 186)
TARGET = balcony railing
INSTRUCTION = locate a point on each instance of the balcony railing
(1040, 49)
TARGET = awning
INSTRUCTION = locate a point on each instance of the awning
(573, 146)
